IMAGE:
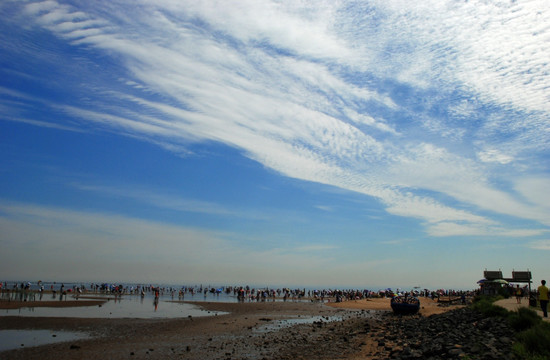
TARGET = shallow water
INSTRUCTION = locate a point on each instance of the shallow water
(126, 307)
(18, 339)
(276, 325)
(286, 323)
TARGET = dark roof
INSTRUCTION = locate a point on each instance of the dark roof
(521, 276)
(517, 276)
(492, 275)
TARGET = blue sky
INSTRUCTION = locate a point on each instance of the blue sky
(311, 143)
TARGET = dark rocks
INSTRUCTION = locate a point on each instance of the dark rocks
(461, 333)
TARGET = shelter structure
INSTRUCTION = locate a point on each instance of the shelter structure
(492, 275)
(493, 280)
(521, 277)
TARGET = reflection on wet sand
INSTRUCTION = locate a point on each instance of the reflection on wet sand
(16, 339)
(104, 307)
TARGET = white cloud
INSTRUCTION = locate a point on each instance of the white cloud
(539, 245)
(327, 208)
(38, 7)
(272, 79)
(85, 246)
(456, 229)
(429, 210)
(493, 155)
(314, 248)
(398, 242)
(498, 49)
(169, 201)
(49, 231)
(44, 124)
(298, 26)
(536, 191)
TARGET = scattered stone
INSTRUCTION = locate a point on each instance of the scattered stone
(461, 333)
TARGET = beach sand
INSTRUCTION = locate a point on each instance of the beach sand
(48, 303)
(248, 331)
(427, 306)
(237, 335)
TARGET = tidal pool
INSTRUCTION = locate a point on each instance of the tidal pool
(18, 339)
(126, 307)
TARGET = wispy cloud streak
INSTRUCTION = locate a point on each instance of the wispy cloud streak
(109, 247)
(335, 93)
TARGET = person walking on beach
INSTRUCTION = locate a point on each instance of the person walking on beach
(543, 297)
(518, 294)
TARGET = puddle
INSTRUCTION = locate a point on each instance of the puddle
(127, 307)
(19, 339)
(276, 325)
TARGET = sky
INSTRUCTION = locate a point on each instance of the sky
(364, 144)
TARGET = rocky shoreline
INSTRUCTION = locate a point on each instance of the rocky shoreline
(455, 334)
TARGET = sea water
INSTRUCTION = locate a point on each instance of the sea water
(19, 339)
(130, 306)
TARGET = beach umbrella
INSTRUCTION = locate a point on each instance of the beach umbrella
(500, 281)
(482, 281)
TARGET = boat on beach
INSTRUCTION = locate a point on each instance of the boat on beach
(405, 305)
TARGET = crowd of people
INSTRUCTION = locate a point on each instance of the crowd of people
(24, 291)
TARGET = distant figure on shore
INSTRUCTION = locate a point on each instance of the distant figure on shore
(543, 298)
(518, 294)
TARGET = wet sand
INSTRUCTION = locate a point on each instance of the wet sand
(236, 335)
(250, 330)
(49, 303)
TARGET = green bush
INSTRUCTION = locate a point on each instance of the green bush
(523, 319)
(533, 334)
(535, 341)
(485, 306)
(521, 353)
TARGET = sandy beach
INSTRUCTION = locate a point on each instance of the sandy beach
(235, 335)
(427, 306)
(356, 329)
(250, 330)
